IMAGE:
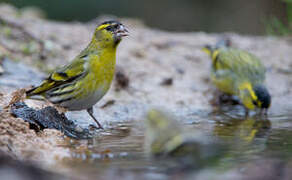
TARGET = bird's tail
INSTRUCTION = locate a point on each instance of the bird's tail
(30, 94)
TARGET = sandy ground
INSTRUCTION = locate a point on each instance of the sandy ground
(164, 69)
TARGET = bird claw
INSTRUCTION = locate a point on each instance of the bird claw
(94, 127)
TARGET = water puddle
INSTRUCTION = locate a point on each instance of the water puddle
(119, 152)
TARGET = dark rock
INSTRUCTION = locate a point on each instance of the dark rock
(167, 82)
(49, 117)
(121, 80)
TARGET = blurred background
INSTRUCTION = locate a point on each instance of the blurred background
(242, 16)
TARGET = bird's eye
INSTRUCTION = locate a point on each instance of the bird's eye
(255, 103)
(109, 28)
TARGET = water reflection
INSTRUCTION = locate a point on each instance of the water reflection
(243, 130)
(247, 137)
(120, 151)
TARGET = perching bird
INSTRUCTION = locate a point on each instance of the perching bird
(83, 82)
(238, 72)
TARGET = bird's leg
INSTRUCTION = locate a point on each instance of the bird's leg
(90, 112)
(246, 113)
(264, 113)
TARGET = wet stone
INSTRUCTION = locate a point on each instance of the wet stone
(49, 117)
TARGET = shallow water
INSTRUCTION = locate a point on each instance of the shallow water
(119, 152)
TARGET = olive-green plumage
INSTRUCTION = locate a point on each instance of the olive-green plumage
(83, 82)
(232, 67)
(238, 72)
(165, 136)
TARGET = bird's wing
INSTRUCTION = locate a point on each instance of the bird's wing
(61, 76)
(241, 63)
(254, 69)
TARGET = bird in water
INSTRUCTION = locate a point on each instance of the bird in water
(165, 137)
(240, 73)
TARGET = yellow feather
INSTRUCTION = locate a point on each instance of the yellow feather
(248, 86)
(215, 54)
(207, 51)
(103, 26)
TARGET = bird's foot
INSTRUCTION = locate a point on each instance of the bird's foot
(94, 127)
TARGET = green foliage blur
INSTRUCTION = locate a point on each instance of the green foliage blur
(275, 26)
(239, 16)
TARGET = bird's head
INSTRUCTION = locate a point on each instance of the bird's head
(263, 96)
(256, 96)
(110, 33)
(208, 49)
(212, 50)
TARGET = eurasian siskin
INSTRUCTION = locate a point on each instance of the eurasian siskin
(82, 83)
(165, 136)
(238, 72)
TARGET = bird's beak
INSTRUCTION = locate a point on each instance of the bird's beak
(122, 31)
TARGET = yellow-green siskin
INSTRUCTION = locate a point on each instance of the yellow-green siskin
(165, 136)
(238, 72)
(163, 133)
(82, 83)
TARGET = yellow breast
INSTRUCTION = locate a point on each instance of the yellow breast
(101, 68)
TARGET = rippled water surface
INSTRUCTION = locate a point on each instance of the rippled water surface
(119, 152)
